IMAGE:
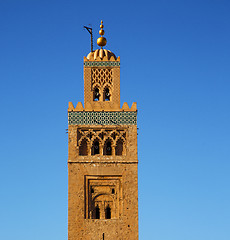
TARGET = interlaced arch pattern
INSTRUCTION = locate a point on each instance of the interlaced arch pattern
(102, 142)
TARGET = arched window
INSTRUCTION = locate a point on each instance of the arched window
(95, 148)
(106, 94)
(96, 94)
(108, 212)
(119, 147)
(83, 150)
(97, 212)
(108, 148)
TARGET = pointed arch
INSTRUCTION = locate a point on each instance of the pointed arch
(120, 137)
(83, 138)
(95, 137)
(108, 138)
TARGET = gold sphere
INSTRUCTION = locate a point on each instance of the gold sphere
(101, 41)
(101, 32)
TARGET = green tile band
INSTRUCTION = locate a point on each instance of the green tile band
(101, 64)
(102, 118)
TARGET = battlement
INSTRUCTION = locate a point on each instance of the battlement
(102, 106)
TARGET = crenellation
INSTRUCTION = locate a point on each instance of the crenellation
(102, 107)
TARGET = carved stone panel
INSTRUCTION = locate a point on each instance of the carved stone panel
(103, 197)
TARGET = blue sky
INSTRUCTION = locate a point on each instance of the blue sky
(175, 58)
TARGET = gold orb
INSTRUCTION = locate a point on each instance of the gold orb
(101, 41)
(101, 32)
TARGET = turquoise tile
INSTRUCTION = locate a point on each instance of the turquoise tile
(102, 118)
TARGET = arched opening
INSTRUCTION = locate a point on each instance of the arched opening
(102, 205)
(108, 148)
(119, 148)
(108, 212)
(95, 148)
(96, 94)
(83, 149)
(97, 212)
(107, 94)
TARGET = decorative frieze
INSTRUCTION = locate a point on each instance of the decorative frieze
(101, 64)
(102, 118)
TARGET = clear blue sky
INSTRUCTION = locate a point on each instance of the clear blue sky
(175, 62)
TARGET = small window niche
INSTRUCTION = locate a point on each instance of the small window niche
(108, 148)
(96, 94)
(97, 212)
(95, 148)
(83, 149)
(107, 94)
(119, 148)
(108, 212)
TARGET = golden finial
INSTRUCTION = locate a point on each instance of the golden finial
(101, 41)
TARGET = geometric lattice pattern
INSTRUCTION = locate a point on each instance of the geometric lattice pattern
(102, 118)
(100, 76)
(101, 64)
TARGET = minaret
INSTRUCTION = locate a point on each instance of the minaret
(102, 161)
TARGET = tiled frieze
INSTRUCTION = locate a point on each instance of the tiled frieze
(102, 118)
(101, 64)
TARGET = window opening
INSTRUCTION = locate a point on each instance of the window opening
(113, 190)
(97, 210)
(108, 212)
(83, 150)
(95, 149)
(106, 94)
(96, 94)
(119, 147)
(108, 148)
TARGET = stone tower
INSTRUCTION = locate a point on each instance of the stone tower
(102, 161)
